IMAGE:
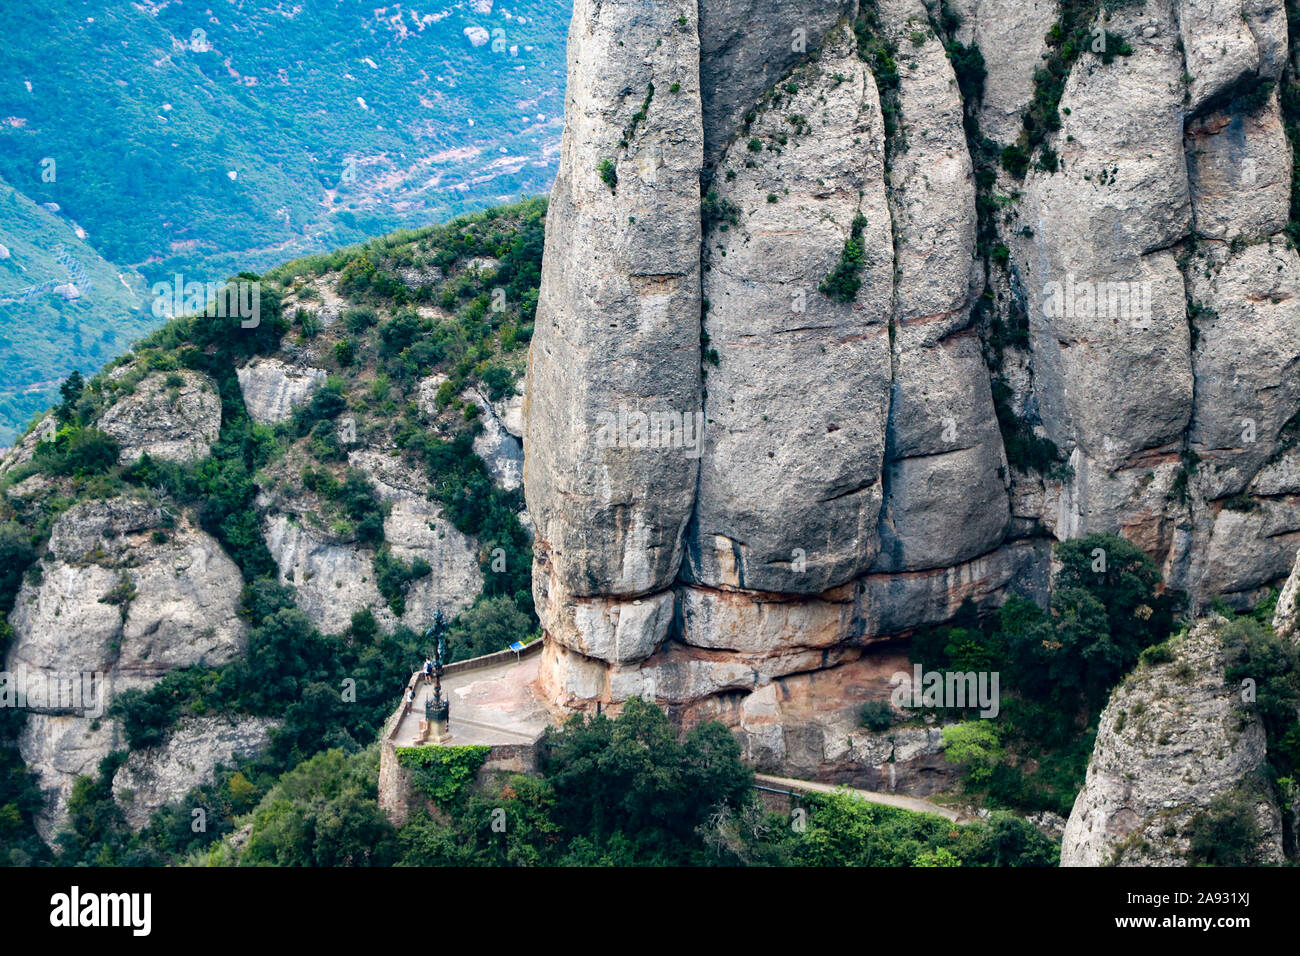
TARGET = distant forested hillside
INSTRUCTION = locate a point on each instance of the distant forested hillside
(43, 333)
(186, 138)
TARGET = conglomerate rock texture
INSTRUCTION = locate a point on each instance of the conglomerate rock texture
(126, 593)
(1174, 738)
(811, 365)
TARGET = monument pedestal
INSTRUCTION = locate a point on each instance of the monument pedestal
(434, 729)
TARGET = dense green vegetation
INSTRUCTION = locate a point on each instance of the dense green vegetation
(845, 280)
(1226, 833)
(442, 773)
(1258, 654)
(1057, 669)
(328, 690)
(626, 791)
(881, 56)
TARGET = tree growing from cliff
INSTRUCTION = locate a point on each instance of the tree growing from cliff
(1225, 833)
(1126, 583)
(845, 280)
(1058, 665)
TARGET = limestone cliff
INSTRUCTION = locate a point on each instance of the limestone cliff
(208, 476)
(1286, 619)
(932, 309)
(1174, 738)
(127, 593)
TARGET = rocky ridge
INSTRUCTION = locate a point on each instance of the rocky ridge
(917, 365)
(1174, 737)
(128, 586)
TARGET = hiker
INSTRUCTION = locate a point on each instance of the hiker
(428, 671)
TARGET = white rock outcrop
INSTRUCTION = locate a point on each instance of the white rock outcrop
(273, 389)
(1173, 737)
(172, 416)
(196, 746)
(127, 592)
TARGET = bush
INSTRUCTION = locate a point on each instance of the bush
(1125, 581)
(608, 174)
(632, 779)
(1026, 451)
(393, 576)
(844, 282)
(1015, 160)
(876, 715)
(326, 404)
(976, 744)
(345, 353)
(1225, 833)
(443, 773)
(358, 319)
(359, 502)
(79, 452)
(70, 390)
(491, 624)
(1253, 651)
(146, 718)
(16, 553)
(717, 210)
(324, 812)
(399, 333)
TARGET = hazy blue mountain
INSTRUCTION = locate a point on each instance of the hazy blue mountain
(209, 139)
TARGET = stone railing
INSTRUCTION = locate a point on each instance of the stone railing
(397, 792)
(458, 667)
(493, 659)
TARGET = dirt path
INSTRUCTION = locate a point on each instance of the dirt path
(885, 799)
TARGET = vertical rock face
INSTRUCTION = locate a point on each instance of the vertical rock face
(1100, 227)
(892, 316)
(126, 593)
(1286, 619)
(151, 778)
(1173, 737)
(175, 417)
(943, 432)
(334, 578)
(798, 396)
(1010, 33)
(617, 332)
(272, 389)
(1239, 168)
(500, 449)
(1246, 359)
(1226, 42)
(745, 47)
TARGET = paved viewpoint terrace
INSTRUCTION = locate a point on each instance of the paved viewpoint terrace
(489, 706)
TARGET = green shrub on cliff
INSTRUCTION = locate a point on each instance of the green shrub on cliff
(443, 773)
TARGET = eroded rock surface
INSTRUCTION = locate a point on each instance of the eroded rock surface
(272, 389)
(617, 332)
(922, 363)
(334, 577)
(127, 593)
(152, 778)
(173, 416)
(1174, 737)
